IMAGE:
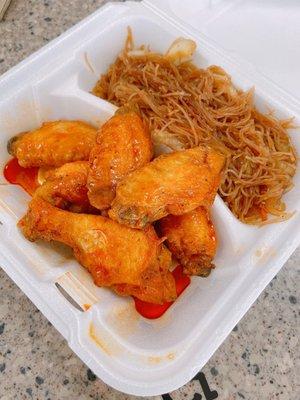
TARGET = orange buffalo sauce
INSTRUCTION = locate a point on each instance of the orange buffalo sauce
(152, 311)
(17, 175)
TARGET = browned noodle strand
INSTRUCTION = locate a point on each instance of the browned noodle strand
(185, 106)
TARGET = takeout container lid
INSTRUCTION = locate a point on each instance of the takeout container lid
(257, 43)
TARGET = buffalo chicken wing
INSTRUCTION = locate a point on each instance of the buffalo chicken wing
(123, 145)
(53, 144)
(128, 260)
(173, 183)
(191, 238)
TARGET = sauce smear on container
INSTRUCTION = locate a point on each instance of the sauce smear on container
(152, 311)
(17, 175)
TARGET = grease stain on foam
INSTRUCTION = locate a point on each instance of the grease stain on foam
(155, 360)
(171, 356)
(86, 307)
(263, 254)
(240, 249)
(99, 342)
(159, 359)
(105, 342)
(258, 253)
(124, 319)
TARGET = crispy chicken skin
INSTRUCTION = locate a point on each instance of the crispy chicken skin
(131, 261)
(53, 144)
(65, 187)
(156, 288)
(191, 238)
(173, 183)
(123, 145)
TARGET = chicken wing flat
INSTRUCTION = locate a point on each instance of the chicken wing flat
(191, 238)
(173, 183)
(132, 261)
(123, 145)
(65, 187)
(53, 144)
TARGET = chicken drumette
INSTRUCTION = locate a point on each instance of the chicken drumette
(132, 262)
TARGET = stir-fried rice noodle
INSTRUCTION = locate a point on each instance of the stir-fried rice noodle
(185, 106)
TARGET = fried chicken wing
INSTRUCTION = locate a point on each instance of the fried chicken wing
(129, 260)
(173, 183)
(53, 144)
(65, 187)
(123, 145)
(191, 238)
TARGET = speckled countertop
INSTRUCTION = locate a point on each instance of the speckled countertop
(260, 358)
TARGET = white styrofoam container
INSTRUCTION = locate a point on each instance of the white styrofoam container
(128, 352)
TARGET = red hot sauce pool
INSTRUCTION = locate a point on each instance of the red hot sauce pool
(17, 175)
